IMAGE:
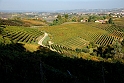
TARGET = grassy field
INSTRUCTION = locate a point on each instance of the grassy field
(31, 47)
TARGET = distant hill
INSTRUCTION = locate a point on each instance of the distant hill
(23, 22)
(92, 10)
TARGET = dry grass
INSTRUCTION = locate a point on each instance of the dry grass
(31, 47)
(34, 22)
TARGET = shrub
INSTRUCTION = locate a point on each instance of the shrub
(86, 50)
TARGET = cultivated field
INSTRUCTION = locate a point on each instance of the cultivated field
(67, 36)
(76, 35)
(22, 34)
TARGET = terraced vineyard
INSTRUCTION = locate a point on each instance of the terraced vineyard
(108, 27)
(75, 35)
(22, 34)
(67, 37)
(63, 50)
(76, 42)
(117, 34)
(105, 40)
(91, 36)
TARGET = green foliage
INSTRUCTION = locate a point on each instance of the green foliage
(91, 45)
(104, 17)
(58, 21)
(78, 50)
(117, 46)
(122, 43)
(66, 16)
(106, 51)
(93, 18)
(59, 17)
(74, 19)
(1, 30)
(110, 21)
(86, 50)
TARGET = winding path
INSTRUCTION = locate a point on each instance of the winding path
(41, 41)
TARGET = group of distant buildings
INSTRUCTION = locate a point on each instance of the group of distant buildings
(102, 21)
(97, 21)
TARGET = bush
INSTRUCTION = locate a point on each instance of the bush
(86, 50)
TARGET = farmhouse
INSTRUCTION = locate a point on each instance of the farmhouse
(101, 21)
(84, 20)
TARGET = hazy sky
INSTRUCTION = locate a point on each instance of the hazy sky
(46, 5)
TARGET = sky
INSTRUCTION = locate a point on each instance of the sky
(53, 5)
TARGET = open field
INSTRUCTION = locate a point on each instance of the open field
(31, 47)
(34, 22)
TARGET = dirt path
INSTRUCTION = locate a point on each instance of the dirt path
(41, 41)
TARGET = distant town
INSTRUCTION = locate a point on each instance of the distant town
(50, 16)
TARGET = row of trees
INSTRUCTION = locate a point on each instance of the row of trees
(67, 18)
(94, 18)
(110, 51)
(77, 18)
(60, 19)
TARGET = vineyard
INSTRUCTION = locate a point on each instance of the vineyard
(76, 42)
(117, 34)
(108, 27)
(104, 40)
(22, 34)
(66, 38)
(66, 32)
(63, 50)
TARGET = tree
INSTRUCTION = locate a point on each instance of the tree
(110, 15)
(122, 43)
(1, 30)
(66, 16)
(110, 21)
(104, 17)
(59, 17)
(89, 19)
(91, 45)
(74, 19)
(55, 22)
(117, 46)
